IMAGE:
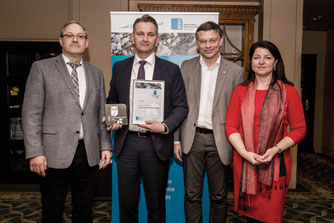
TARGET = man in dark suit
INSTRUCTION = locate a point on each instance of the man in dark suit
(201, 142)
(145, 150)
(64, 134)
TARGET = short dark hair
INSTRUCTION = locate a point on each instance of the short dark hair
(278, 72)
(210, 26)
(69, 23)
(145, 18)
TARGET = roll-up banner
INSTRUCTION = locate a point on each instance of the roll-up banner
(177, 43)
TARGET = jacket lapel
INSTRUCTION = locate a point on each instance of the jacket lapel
(89, 81)
(127, 80)
(222, 73)
(197, 79)
(60, 64)
(158, 70)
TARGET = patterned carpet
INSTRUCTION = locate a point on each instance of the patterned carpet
(26, 207)
(312, 201)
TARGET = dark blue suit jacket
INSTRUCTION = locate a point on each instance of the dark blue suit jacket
(175, 110)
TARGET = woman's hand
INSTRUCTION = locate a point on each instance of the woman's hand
(269, 155)
(239, 146)
(253, 158)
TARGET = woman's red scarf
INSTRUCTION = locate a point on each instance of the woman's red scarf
(270, 133)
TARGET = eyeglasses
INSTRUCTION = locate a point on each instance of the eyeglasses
(71, 36)
(211, 41)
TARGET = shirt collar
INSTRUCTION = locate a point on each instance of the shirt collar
(150, 59)
(66, 60)
(217, 63)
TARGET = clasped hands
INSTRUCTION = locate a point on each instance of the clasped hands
(256, 159)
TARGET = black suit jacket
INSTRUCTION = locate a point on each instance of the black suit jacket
(175, 110)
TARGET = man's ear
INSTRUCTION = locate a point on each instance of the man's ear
(221, 41)
(60, 41)
(87, 43)
(132, 37)
(157, 41)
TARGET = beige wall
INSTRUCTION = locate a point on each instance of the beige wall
(314, 42)
(328, 115)
(40, 20)
(95, 16)
(33, 20)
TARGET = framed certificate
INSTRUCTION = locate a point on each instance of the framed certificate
(148, 101)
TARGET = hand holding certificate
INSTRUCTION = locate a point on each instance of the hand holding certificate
(154, 126)
(148, 101)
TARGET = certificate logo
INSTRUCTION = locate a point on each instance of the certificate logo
(113, 110)
(177, 23)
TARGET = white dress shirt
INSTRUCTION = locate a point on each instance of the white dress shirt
(208, 85)
(82, 85)
(149, 69)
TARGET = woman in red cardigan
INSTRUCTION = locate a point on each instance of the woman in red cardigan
(259, 112)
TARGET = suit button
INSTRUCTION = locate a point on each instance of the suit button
(77, 132)
(82, 113)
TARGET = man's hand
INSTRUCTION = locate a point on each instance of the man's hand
(106, 156)
(113, 127)
(153, 126)
(38, 165)
(178, 152)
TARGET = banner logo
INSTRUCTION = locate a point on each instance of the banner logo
(177, 23)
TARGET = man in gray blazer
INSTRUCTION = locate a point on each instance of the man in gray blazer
(64, 134)
(201, 142)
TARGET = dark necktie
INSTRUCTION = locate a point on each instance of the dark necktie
(74, 76)
(141, 70)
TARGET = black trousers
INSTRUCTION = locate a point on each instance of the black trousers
(137, 160)
(202, 157)
(54, 187)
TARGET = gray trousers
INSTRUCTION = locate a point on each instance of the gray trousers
(202, 157)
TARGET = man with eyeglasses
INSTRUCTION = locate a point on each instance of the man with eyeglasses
(64, 133)
(201, 142)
